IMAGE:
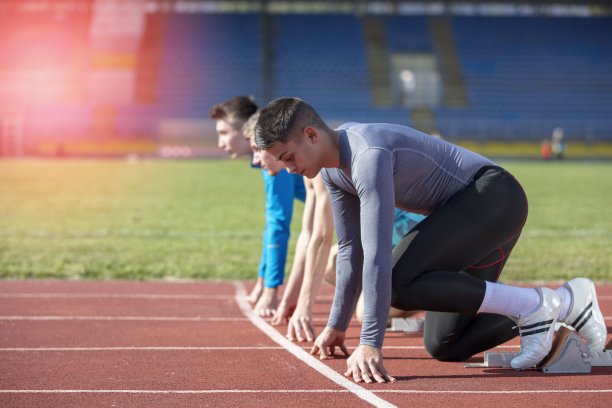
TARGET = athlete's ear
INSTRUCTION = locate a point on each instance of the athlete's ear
(311, 134)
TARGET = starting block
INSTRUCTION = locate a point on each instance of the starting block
(569, 354)
(406, 325)
(494, 359)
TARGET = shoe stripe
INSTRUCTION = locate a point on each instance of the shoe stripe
(545, 329)
(586, 319)
(531, 326)
(586, 309)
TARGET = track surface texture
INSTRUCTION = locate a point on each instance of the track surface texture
(195, 344)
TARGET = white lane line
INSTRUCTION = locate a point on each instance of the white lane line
(165, 391)
(146, 318)
(304, 356)
(547, 391)
(134, 348)
(130, 318)
(160, 296)
(310, 391)
(189, 348)
(112, 296)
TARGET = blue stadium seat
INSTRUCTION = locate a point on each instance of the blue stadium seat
(207, 59)
(523, 76)
(550, 71)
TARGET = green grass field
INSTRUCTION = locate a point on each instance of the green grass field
(114, 219)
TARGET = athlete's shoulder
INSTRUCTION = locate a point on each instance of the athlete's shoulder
(332, 177)
(325, 176)
(380, 134)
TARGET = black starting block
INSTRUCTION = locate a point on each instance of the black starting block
(569, 354)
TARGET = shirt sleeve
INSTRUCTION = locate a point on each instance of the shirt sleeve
(280, 192)
(350, 255)
(261, 272)
(373, 180)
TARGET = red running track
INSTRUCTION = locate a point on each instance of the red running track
(150, 344)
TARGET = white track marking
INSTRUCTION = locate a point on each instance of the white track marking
(150, 296)
(146, 318)
(166, 391)
(112, 296)
(304, 356)
(159, 296)
(130, 318)
(310, 391)
(134, 348)
(146, 348)
(188, 348)
(548, 391)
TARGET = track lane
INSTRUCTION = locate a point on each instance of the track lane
(423, 381)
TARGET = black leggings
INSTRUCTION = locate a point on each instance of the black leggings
(442, 264)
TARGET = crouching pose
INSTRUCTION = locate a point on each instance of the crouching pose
(447, 265)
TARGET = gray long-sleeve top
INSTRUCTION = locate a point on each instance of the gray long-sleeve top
(384, 166)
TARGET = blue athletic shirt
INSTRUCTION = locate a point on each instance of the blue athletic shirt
(281, 190)
(384, 166)
(403, 222)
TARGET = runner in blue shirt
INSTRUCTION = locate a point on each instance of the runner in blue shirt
(281, 189)
(447, 265)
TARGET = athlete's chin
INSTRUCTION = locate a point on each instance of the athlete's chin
(309, 174)
(269, 171)
(304, 173)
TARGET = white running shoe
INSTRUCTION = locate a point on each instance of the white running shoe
(537, 330)
(584, 314)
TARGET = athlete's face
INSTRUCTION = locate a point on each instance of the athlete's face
(231, 139)
(299, 154)
(265, 160)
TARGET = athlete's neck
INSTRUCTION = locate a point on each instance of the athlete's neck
(331, 153)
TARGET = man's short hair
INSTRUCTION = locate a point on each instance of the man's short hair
(248, 129)
(235, 111)
(281, 117)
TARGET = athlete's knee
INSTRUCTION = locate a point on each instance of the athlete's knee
(446, 351)
(397, 300)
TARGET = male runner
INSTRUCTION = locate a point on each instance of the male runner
(314, 245)
(448, 264)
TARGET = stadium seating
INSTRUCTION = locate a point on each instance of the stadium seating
(207, 59)
(522, 76)
(525, 76)
(321, 59)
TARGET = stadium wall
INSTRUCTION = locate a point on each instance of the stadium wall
(106, 77)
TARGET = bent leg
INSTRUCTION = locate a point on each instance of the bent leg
(441, 266)
(458, 336)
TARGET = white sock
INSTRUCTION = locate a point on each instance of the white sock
(566, 301)
(509, 300)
